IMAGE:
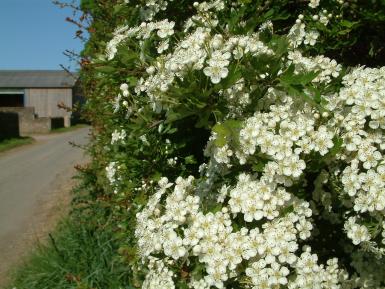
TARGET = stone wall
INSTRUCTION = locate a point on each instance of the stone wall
(27, 123)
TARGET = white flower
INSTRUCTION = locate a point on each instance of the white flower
(111, 171)
(293, 166)
(173, 247)
(314, 3)
(158, 274)
(164, 184)
(297, 34)
(117, 136)
(216, 73)
(357, 233)
(223, 154)
(165, 28)
(311, 37)
(163, 46)
(219, 58)
(116, 103)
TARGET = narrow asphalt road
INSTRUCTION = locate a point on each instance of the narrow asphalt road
(33, 180)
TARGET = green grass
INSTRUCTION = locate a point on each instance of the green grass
(77, 256)
(11, 143)
(66, 129)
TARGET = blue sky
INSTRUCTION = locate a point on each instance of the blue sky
(34, 35)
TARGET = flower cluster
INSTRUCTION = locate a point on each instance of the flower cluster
(148, 9)
(112, 175)
(314, 3)
(359, 117)
(175, 225)
(111, 172)
(118, 136)
(357, 233)
(159, 275)
(200, 50)
(237, 98)
(257, 199)
(327, 68)
(290, 130)
(163, 28)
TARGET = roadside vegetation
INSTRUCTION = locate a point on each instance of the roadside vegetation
(80, 253)
(10, 143)
(67, 129)
(236, 144)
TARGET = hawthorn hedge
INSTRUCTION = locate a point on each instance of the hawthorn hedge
(239, 144)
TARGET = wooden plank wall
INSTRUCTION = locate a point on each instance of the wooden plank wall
(45, 101)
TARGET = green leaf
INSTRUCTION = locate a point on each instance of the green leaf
(222, 132)
(233, 124)
(182, 284)
(221, 129)
(279, 44)
(287, 75)
(190, 160)
(317, 94)
(226, 131)
(233, 76)
(132, 80)
(171, 130)
(258, 167)
(198, 271)
(306, 77)
(203, 119)
(269, 13)
(175, 115)
(287, 210)
(105, 69)
(289, 78)
(127, 56)
(118, 8)
(348, 24)
(141, 198)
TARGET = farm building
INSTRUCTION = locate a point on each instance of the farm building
(34, 96)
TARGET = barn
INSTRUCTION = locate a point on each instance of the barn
(37, 97)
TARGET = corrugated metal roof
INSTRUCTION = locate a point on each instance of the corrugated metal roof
(36, 78)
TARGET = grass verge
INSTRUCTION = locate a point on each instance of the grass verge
(76, 256)
(11, 143)
(71, 128)
(82, 253)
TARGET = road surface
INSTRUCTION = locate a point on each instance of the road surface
(35, 180)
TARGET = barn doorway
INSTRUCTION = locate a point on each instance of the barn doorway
(11, 100)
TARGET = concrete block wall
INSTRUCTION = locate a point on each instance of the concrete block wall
(28, 123)
(38, 125)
